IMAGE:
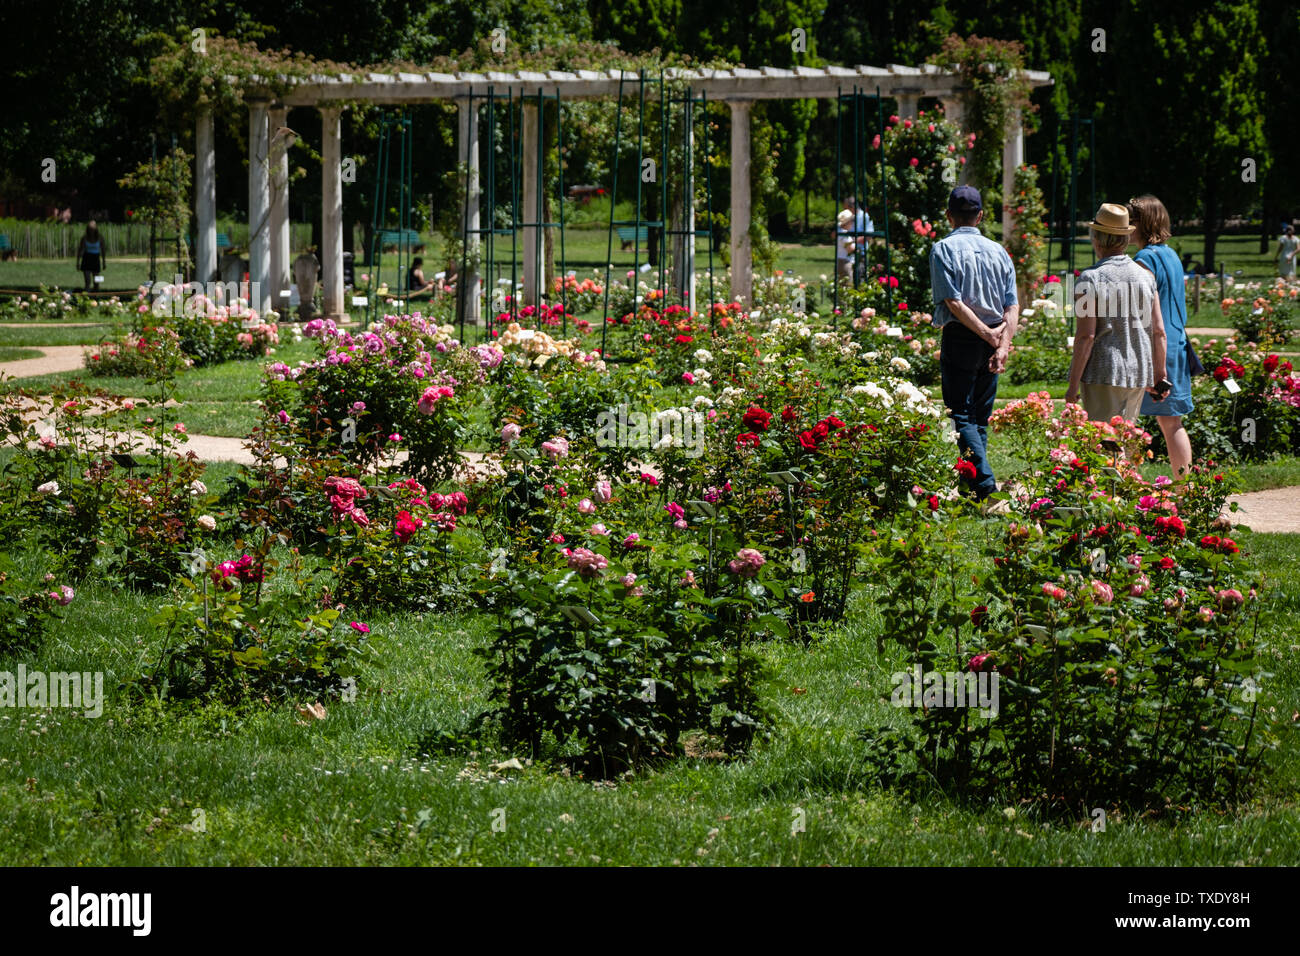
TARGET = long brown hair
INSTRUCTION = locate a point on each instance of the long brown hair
(92, 232)
(1150, 217)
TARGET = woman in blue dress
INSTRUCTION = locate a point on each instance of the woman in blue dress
(1151, 229)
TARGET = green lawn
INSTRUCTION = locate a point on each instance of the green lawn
(357, 788)
(121, 275)
(45, 333)
(10, 354)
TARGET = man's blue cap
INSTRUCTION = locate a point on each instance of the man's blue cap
(965, 199)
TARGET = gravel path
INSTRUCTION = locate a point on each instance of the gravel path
(54, 358)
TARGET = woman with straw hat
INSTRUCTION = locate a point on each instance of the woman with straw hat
(1119, 336)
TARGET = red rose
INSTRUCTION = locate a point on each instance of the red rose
(1210, 541)
(808, 441)
(933, 501)
(684, 340)
(1167, 564)
(756, 419)
(964, 469)
(1171, 525)
(821, 430)
(1222, 374)
(747, 439)
(980, 662)
(787, 414)
(1270, 364)
(978, 614)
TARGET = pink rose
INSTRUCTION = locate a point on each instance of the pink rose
(556, 448)
(604, 491)
(587, 563)
(586, 507)
(746, 563)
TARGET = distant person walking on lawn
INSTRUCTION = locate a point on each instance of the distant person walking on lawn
(90, 254)
(1119, 338)
(1150, 222)
(1286, 253)
(974, 287)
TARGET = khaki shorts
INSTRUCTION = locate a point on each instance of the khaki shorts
(1104, 402)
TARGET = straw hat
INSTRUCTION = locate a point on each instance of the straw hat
(1112, 218)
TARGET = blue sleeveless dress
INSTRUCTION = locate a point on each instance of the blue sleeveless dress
(1168, 270)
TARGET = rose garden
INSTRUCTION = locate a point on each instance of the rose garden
(628, 576)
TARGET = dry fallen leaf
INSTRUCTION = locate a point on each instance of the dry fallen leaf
(314, 711)
(511, 764)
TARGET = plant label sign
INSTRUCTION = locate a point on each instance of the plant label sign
(1231, 385)
(360, 301)
(894, 332)
(99, 280)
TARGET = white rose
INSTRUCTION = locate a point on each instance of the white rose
(49, 488)
(207, 522)
(198, 488)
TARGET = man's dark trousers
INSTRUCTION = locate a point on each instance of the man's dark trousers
(969, 389)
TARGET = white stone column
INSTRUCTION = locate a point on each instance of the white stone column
(954, 110)
(467, 143)
(331, 252)
(529, 145)
(908, 104)
(1013, 154)
(259, 208)
(279, 219)
(741, 252)
(205, 199)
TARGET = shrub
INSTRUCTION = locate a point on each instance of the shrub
(1121, 633)
(153, 354)
(230, 636)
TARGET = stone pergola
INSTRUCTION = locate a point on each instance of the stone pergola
(269, 253)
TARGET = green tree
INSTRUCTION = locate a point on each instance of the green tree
(1185, 108)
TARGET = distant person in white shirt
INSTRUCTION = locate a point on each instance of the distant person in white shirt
(861, 224)
(845, 245)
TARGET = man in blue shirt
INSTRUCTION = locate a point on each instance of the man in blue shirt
(974, 288)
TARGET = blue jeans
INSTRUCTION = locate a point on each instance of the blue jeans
(969, 389)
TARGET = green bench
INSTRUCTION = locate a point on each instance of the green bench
(223, 241)
(630, 234)
(398, 237)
